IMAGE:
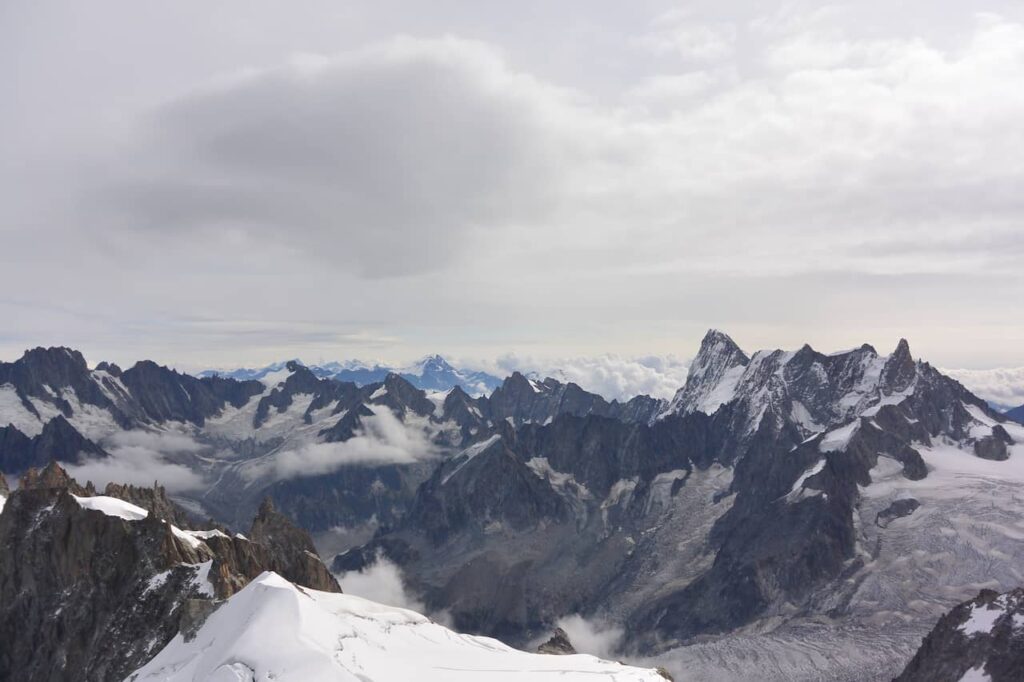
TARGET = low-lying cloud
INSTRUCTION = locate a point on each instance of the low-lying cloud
(1002, 387)
(384, 439)
(610, 376)
(593, 636)
(140, 458)
(382, 582)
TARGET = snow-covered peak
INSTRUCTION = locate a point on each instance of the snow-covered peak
(430, 363)
(712, 377)
(813, 390)
(273, 630)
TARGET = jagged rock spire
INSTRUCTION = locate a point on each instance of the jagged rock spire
(51, 476)
(900, 369)
(715, 367)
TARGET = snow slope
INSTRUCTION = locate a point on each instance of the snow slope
(273, 630)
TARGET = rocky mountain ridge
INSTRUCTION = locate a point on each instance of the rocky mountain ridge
(982, 638)
(431, 373)
(232, 432)
(780, 492)
(91, 586)
(743, 502)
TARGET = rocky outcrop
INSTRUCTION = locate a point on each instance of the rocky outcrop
(154, 500)
(92, 587)
(558, 645)
(59, 441)
(994, 446)
(291, 552)
(897, 510)
(53, 477)
(980, 639)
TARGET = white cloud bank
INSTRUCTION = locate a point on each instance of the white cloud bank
(611, 376)
(142, 457)
(1002, 387)
(384, 439)
(382, 582)
(593, 636)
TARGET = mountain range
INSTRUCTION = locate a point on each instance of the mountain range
(786, 515)
(432, 373)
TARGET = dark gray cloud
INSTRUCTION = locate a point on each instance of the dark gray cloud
(379, 160)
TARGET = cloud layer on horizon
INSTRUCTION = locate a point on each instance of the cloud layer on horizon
(1002, 387)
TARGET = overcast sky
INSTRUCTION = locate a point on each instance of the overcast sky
(229, 183)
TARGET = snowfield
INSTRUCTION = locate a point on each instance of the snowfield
(274, 630)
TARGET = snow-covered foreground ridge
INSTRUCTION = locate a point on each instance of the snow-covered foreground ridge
(273, 630)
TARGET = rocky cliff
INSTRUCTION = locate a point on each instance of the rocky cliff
(91, 586)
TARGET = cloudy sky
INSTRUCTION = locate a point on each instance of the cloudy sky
(229, 183)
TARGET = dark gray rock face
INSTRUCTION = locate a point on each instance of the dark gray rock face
(89, 596)
(289, 550)
(145, 393)
(466, 412)
(558, 645)
(42, 373)
(154, 500)
(110, 368)
(351, 496)
(73, 589)
(983, 635)
(489, 485)
(523, 400)
(994, 446)
(401, 397)
(161, 394)
(15, 449)
(897, 510)
(58, 441)
(358, 493)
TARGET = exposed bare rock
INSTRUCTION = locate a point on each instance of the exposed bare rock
(154, 500)
(92, 587)
(980, 639)
(558, 645)
(897, 510)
